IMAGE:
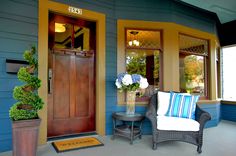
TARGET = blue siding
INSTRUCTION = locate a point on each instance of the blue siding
(214, 110)
(19, 29)
(228, 112)
(196, 19)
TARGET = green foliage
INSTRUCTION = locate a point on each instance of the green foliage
(29, 102)
(193, 67)
(29, 56)
(21, 114)
(25, 76)
(156, 65)
(136, 65)
(132, 87)
(28, 98)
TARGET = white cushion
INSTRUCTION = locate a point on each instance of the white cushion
(163, 102)
(177, 124)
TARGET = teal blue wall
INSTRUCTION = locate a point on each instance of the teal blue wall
(18, 29)
(19, 25)
(228, 111)
(215, 112)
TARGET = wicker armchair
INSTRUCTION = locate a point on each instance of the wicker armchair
(193, 137)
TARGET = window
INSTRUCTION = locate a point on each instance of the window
(229, 84)
(67, 33)
(143, 56)
(193, 60)
(72, 37)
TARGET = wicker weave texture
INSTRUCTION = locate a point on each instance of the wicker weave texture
(158, 136)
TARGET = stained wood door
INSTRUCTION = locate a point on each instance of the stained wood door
(71, 103)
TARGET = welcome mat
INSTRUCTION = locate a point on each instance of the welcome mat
(74, 144)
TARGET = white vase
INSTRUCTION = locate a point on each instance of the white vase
(130, 102)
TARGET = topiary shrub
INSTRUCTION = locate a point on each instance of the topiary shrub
(29, 103)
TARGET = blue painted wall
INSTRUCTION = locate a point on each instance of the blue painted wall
(18, 29)
(228, 112)
(215, 112)
(19, 25)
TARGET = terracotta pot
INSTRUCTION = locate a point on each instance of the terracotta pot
(25, 137)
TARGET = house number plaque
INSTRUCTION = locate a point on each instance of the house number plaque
(75, 10)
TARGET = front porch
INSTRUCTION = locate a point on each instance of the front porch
(218, 141)
(173, 22)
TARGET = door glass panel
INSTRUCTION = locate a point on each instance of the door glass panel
(81, 38)
(63, 36)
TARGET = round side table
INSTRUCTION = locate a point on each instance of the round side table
(128, 126)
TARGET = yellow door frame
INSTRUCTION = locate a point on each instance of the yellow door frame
(44, 7)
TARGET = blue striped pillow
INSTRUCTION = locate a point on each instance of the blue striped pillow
(182, 105)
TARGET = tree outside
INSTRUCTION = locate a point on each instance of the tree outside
(194, 73)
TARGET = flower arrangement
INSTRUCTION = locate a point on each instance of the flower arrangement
(127, 82)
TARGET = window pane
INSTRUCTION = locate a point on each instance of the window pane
(63, 35)
(81, 40)
(193, 45)
(145, 63)
(192, 78)
(193, 54)
(143, 57)
(144, 39)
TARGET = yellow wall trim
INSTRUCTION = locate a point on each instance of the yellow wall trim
(170, 52)
(44, 7)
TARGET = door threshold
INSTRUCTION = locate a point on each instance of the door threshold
(50, 139)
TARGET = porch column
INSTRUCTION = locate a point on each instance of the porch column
(170, 59)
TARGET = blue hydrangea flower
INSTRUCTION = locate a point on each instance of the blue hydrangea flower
(120, 77)
(136, 78)
(127, 82)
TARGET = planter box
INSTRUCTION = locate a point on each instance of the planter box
(25, 137)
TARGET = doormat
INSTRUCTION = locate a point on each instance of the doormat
(74, 144)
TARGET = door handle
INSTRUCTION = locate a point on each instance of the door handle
(49, 81)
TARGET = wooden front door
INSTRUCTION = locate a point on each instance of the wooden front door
(71, 98)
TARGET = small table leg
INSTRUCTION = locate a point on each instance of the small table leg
(132, 133)
(140, 136)
(114, 126)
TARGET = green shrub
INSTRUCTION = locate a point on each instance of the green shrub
(25, 76)
(22, 114)
(29, 103)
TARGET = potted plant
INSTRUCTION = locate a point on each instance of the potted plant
(130, 84)
(24, 113)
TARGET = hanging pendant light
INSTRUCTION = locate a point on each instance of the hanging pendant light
(135, 41)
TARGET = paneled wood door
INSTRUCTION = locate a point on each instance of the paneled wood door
(71, 102)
